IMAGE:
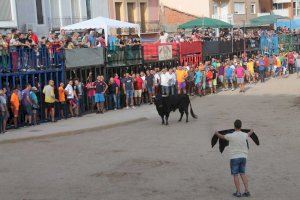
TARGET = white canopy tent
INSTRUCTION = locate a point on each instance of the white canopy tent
(102, 23)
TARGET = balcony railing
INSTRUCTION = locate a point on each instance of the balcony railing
(149, 26)
(226, 18)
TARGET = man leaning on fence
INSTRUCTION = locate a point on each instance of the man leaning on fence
(49, 100)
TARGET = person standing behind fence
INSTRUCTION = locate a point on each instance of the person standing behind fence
(291, 62)
(298, 64)
(62, 100)
(4, 110)
(35, 104)
(49, 100)
(118, 82)
(91, 90)
(27, 104)
(79, 93)
(101, 88)
(190, 81)
(240, 75)
(150, 85)
(71, 98)
(261, 68)
(165, 82)
(128, 90)
(181, 75)
(172, 81)
(198, 81)
(15, 106)
(138, 89)
(113, 90)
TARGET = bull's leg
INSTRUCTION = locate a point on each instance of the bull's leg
(187, 114)
(162, 120)
(167, 119)
(181, 114)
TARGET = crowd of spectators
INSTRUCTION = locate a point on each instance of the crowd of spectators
(210, 34)
(131, 90)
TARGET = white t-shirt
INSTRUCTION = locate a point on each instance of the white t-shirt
(165, 79)
(156, 79)
(298, 62)
(172, 79)
(164, 38)
(237, 145)
(70, 91)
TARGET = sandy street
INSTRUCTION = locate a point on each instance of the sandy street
(148, 161)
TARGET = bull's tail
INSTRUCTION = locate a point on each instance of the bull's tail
(192, 112)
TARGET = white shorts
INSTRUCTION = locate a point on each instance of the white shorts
(240, 80)
(138, 93)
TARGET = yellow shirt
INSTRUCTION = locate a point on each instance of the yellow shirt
(181, 75)
(49, 94)
(250, 66)
(278, 62)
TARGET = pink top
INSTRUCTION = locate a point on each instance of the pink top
(240, 72)
(117, 81)
(90, 89)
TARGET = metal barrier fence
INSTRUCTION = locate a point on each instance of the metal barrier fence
(289, 42)
(124, 56)
(21, 59)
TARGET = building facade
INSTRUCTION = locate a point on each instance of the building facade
(236, 12)
(143, 12)
(45, 15)
(287, 8)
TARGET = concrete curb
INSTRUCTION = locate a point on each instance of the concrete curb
(74, 132)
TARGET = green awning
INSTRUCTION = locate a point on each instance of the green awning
(266, 19)
(205, 22)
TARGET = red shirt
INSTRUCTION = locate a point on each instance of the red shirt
(138, 84)
(35, 38)
(291, 58)
(266, 61)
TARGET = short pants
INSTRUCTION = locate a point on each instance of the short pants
(181, 85)
(129, 93)
(214, 82)
(28, 109)
(238, 166)
(99, 98)
(240, 80)
(150, 90)
(137, 93)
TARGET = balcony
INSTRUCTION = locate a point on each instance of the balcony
(149, 26)
(282, 12)
(226, 18)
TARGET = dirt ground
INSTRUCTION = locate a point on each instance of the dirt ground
(148, 161)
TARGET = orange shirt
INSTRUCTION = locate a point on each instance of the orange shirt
(61, 94)
(181, 75)
(14, 100)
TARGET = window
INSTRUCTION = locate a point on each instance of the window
(130, 12)
(252, 9)
(88, 9)
(239, 8)
(39, 11)
(215, 8)
(5, 14)
(277, 6)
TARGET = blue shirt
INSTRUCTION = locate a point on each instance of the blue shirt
(229, 72)
(198, 77)
(261, 65)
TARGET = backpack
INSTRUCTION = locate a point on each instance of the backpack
(209, 75)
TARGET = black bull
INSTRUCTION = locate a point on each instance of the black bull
(166, 104)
